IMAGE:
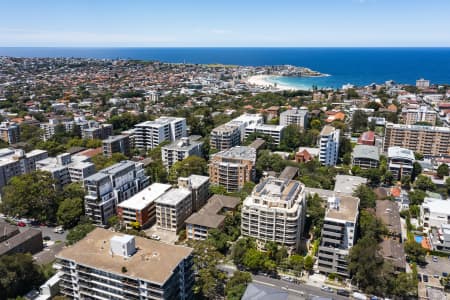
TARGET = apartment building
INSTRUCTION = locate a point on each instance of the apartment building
(109, 265)
(365, 156)
(421, 114)
(9, 132)
(98, 131)
(233, 133)
(66, 168)
(275, 211)
(295, 116)
(428, 140)
(199, 187)
(181, 149)
(14, 162)
(116, 144)
(150, 134)
(400, 161)
(274, 131)
(422, 83)
(434, 213)
(173, 208)
(225, 137)
(49, 128)
(329, 146)
(232, 168)
(338, 234)
(441, 238)
(141, 207)
(111, 186)
(210, 216)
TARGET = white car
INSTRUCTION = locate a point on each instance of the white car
(155, 237)
(58, 229)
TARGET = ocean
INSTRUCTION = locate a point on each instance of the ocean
(358, 66)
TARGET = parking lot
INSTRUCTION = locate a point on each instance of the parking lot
(166, 236)
(435, 268)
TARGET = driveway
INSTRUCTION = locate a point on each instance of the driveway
(435, 268)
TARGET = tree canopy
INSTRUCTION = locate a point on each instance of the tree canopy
(188, 166)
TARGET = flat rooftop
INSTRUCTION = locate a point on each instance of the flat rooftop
(239, 152)
(173, 197)
(348, 184)
(388, 212)
(348, 209)
(399, 152)
(366, 151)
(327, 130)
(154, 261)
(145, 197)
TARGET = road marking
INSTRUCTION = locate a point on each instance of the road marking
(265, 283)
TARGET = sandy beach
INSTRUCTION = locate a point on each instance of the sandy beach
(264, 82)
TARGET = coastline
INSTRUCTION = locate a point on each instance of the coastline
(266, 81)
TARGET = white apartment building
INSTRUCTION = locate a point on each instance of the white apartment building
(274, 131)
(181, 149)
(422, 83)
(173, 208)
(295, 116)
(329, 146)
(150, 134)
(401, 161)
(109, 265)
(246, 120)
(338, 234)
(421, 114)
(225, 137)
(66, 168)
(275, 211)
(434, 213)
(14, 162)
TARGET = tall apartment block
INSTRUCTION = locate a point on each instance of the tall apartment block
(199, 187)
(181, 149)
(150, 134)
(428, 140)
(232, 168)
(422, 83)
(111, 186)
(329, 145)
(48, 129)
(173, 208)
(296, 116)
(225, 137)
(338, 234)
(109, 265)
(401, 162)
(275, 211)
(99, 132)
(66, 168)
(10, 132)
(14, 162)
(116, 144)
(141, 207)
(421, 114)
(233, 133)
(274, 131)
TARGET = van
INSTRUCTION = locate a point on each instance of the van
(58, 229)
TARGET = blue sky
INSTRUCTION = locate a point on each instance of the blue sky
(303, 23)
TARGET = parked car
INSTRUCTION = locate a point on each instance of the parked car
(46, 238)
(155, 237)
(444, 274)
(327, 289)
(21, 224)
(342, 292)
(425, 278)
(58, 229)
(435, 259)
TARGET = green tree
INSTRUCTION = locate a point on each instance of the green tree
(237, 284)
(406, 181)
(416, 197)
(291, 138)
(188, 166)
(79, 232)
(414, 251)
(30, 195)
(240, 248)
(424, 183)
(296, 263)
(417, 169)
(100, 161)
(69, 212)
(19, 274)
(442, 171)
(366, 195)
(359, 121)
(371, 226)
(308, 263)
(315, 212)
